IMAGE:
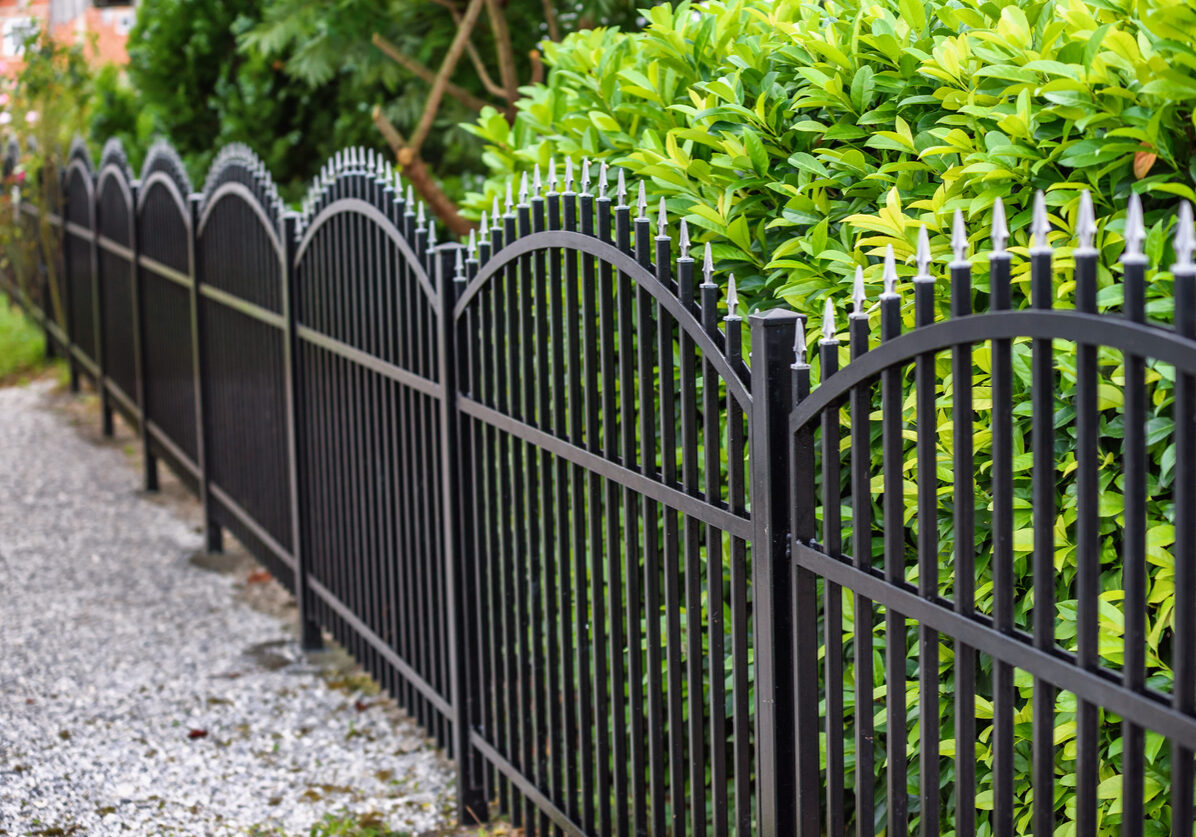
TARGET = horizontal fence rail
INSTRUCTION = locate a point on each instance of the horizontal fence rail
(933, 580)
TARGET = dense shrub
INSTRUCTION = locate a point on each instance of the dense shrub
(187, 81)
(795, 131)
(806, 137)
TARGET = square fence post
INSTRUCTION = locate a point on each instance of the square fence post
(213, 537)
(68, 291)
(309, 631)
(772, 334)
(150, 460)
(462, 639)
(97, 312)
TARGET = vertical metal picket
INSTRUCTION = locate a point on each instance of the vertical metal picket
(97, 312)
(465, 697)
(772, 397)
(309, 631)
(149, 460)
(213, 537)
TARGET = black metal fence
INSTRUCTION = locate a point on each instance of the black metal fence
(535, 489)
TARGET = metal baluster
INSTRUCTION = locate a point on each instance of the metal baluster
(1043, 561)
(927, 456)
(1133, 558)
(1002, 560)
(1183, 696)
(965, 543)
(892, 427)
(715, 575)
(861, 537)
(832, 540)
(1087, 524)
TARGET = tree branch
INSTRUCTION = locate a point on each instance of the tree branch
(537, 66)
(411, 65)
(554, 27)
(420, 178)
(475, 57)
(436, 94)
(506, 55)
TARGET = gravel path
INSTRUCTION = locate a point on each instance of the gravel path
(141, 693)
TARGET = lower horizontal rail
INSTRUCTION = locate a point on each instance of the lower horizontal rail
(252, 525)
(82, 358)
(1087, 686)
(388, 653)
(174, 450)
(529, 790)
(123, 399)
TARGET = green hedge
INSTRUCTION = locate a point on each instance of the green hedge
(804, 138)
(795, 132)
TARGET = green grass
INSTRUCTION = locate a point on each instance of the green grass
(22, 347)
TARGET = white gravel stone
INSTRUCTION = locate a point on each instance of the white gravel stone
(114, 647)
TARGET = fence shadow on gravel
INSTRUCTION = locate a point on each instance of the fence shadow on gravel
(532, 484)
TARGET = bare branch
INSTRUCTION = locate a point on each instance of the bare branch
(506, 55)
(475, 57)
(411, 65)
(554, 28)
(537, 66)
(436, 94)
(420, 178)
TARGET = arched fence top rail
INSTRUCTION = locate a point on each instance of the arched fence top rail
(644, 276)
(367, 210)
(81, 154)
(114, 158)
(236, 189)
(237, 164)
(1077, 327)
(163, 167)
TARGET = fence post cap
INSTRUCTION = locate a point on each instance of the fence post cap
(774, 317)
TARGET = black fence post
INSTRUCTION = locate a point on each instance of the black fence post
(149, 460)
(772, 399)
(212, 536)
(97, 311)
(454, 450)
(309, 630)
(68, 291)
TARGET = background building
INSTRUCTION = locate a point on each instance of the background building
(108, 21)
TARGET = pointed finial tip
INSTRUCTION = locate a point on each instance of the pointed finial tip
(959, 237)
(1185, 240)
(1086, 221)
(683, 239)
(1000, 231)
(662, 220)
(732, 297)
(858, 298)
(641, 202)
(890, 272)
(621, 188)
(523, 188)
(923, 254)
(799, 345)
(1135, 229)
(1040, 225)
(707, 265)
(828, 320)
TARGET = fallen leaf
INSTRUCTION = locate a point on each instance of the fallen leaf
(197, 733)
(361, 706)
(258, 577)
